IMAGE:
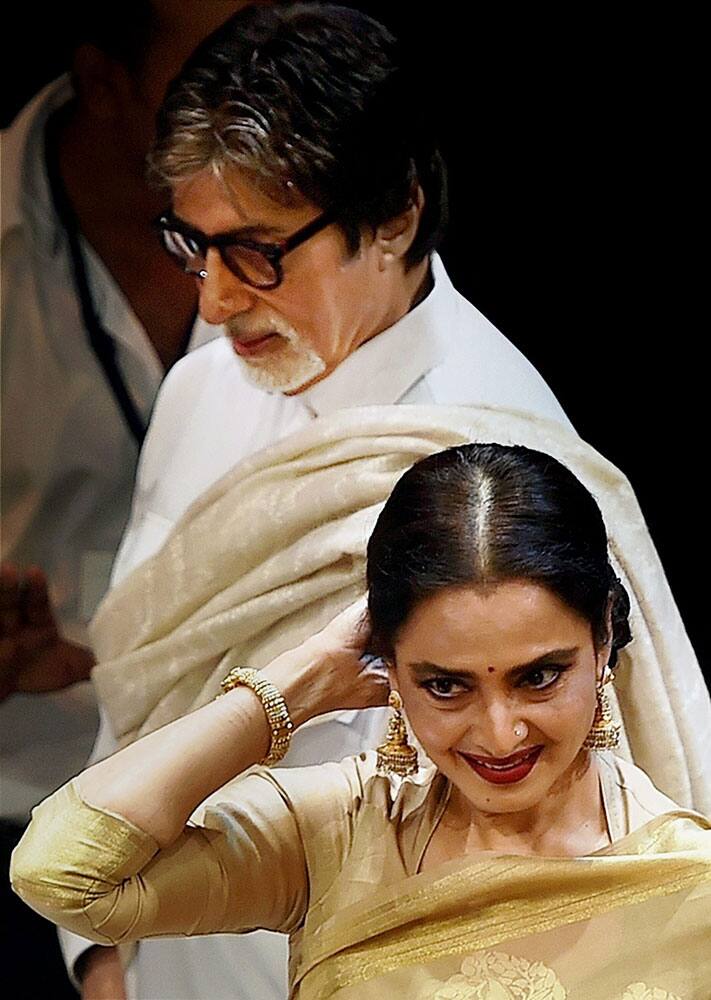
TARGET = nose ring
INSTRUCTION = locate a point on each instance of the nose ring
(520, 730)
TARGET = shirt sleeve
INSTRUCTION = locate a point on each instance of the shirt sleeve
(100, 876)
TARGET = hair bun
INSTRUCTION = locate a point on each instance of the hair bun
(619, 617)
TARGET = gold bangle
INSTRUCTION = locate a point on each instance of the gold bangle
(274, 707)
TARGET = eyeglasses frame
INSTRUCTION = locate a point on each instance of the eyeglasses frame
(274, 252)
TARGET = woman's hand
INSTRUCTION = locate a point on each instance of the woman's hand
(331, 670)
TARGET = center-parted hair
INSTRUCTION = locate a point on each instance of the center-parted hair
(481, 514)
(314, 100)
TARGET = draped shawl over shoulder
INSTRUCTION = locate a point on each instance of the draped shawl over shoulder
(276, 548)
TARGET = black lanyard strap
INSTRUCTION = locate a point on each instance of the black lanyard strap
(101, 342)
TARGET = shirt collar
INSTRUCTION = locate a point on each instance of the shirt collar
(26, 196)
(384, 368)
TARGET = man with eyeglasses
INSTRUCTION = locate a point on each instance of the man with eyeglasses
(308, 197)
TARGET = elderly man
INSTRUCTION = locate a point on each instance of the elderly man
(308, 199)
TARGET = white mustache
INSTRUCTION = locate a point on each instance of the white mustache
(260, 326)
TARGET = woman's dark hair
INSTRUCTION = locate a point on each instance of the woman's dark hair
(482, 514)
(315, 99)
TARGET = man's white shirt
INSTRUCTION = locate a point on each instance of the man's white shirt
(209, 416)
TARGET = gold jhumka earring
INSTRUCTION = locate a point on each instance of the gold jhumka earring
(604, 734)
(396, 755)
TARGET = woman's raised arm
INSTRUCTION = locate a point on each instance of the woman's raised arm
(109, 855)
(159, 780)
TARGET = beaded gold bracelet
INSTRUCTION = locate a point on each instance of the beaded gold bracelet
(274, 707)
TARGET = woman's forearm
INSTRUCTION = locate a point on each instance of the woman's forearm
(159, 780)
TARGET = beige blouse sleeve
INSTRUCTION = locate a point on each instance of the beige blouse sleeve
(100, 876)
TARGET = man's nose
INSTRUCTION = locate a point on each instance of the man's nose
(222, 294)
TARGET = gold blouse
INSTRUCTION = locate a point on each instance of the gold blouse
(267, 849)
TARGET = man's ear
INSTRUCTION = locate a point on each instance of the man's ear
(395, 237)
(100, 82)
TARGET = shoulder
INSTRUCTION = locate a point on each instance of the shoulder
(326, 797)
(643, 801)
(479, 365)
(314, 806)
(23, 137)
(314, 793)
(349, 808)
(658, 824)
(322, 793)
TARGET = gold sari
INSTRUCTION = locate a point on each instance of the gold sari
(629, 922)
(632, 922)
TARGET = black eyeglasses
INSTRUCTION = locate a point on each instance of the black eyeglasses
(257, 264)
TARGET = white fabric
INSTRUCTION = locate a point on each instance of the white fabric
(276, 549)
(208, 416)
(68, 460)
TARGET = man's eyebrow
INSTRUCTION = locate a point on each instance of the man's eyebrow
(256, 231)
(424, 668)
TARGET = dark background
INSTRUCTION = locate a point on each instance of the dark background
(574, 154)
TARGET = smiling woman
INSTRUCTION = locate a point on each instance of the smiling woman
(492, 595)
(518, 863)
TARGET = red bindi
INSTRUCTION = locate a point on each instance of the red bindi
(491, 670)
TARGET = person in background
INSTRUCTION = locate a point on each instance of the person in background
(93, 317)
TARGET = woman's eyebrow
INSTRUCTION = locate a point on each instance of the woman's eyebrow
(552, 656)
(425, 668)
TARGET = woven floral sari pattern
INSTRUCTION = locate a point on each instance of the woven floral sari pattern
(494, 975)
(497, 976)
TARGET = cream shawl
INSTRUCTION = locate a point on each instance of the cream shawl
(275, 548)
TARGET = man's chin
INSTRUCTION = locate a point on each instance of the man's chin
(283, 377)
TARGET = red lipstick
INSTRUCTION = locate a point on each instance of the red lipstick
(504, 770)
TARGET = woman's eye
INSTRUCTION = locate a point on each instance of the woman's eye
(542, 677)
(442, 687)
